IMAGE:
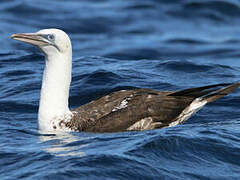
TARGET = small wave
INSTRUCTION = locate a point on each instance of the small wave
(17, 73)
(35, 57)
(90, 26)
(186, 41)
(21, 89)
(219, 11)
(22, 132)
(101, 77)
(12, 106)
(26, 9)
(185, 66)
(133, 54)
(140, 6)
(3, 54)
(223, 7)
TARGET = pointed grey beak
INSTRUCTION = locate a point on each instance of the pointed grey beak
(30, 38)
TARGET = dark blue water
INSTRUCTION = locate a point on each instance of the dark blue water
(164, 45)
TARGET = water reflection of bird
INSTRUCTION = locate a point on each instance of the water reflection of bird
(60, 144)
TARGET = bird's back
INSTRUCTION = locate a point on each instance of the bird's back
(121, 110)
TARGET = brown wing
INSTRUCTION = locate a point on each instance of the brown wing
(120, 110)
(142, 108)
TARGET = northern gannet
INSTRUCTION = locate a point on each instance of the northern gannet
(125, 110)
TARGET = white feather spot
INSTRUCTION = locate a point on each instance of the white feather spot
(122, 105)
(149, 96)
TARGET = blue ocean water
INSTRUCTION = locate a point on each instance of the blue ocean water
(164, 45)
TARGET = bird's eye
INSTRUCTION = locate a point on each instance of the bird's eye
(51, 37)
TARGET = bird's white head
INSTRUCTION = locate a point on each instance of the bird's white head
(50, 41)
(57, 48)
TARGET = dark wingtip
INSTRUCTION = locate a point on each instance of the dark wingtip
(221, 92)
(209, 93)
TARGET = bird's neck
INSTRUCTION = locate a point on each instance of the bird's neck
(55, 90)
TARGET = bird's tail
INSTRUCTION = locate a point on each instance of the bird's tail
(208, 93)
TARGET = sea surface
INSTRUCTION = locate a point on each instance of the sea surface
(158, 44)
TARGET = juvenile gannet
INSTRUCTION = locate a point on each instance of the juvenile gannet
(125, 110)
